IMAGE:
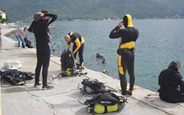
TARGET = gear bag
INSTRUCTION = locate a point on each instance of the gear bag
(13, 77)
(105, 103)
(67, 61)
(71, 73)
(27, 75)
(92, 86)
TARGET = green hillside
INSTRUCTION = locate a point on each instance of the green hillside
(86, 9)
(176, 5)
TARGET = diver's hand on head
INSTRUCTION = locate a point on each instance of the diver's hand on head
(120, 24)
(40, 14)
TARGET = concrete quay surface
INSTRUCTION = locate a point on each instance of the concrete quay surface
(63, 99)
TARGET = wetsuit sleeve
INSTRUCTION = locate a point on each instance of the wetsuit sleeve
(180, 82)
(78, 44)
(160, 78)
(116, 33)
(30, 29)
(53, 18)
(182, 85)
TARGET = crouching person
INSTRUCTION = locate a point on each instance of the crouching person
(171, 84)
(78, 45)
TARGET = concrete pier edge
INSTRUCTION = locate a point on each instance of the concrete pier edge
(62, 100)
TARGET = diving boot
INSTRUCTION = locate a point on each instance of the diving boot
(36, 85)
(129, 92)
(47, 87)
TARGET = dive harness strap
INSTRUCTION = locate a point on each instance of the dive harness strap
(128, 45)
(82, 40)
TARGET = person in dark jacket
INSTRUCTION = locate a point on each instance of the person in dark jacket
(171, 84)
(128, 37)
(40, 29)
(28, 42)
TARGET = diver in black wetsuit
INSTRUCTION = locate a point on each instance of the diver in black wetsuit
(128, 37)
(171, 84)
(78, 45)
(101, 57)
(40, 29)
(45, 18)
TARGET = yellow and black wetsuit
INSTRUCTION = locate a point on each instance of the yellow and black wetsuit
(78, 45)
(128, 37)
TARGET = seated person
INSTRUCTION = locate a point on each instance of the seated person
(171, 84)
(28, 43)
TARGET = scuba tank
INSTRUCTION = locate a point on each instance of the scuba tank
(67, 73)
(71, 73)
(92, 86)
(67, 61)
(105, 103)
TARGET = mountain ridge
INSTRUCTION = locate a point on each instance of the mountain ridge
(21, 10)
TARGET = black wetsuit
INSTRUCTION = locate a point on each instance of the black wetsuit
(126, 55)
(171, 86)
(40, 30)
(74, 37)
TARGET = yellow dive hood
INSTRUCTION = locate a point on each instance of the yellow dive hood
(127, 19)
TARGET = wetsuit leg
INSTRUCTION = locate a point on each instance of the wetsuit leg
(122, 72)
(38, 67)
(46, 61)
(130, 68)
(81, 54)
(74, 47)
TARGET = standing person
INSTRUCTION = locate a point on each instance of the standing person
(128, 37)
(78, 45)
(40, 29)
(171, 84)
(25, 32)
(1, 47)
(18, 35)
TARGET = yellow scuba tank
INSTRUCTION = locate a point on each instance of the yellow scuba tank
(106, 102)
(99, 108)
(68, 73)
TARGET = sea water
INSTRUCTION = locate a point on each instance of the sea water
(160, 42)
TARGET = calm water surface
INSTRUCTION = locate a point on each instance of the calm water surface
(159, 42)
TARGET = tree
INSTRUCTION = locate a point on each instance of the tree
(3, 16)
